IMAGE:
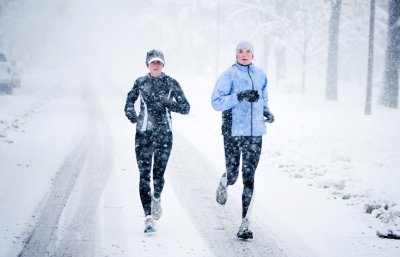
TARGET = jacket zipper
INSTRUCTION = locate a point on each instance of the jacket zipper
(251, 104)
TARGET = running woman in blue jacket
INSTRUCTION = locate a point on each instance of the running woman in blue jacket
(241, 94)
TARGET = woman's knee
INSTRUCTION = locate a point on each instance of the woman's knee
(248, 182)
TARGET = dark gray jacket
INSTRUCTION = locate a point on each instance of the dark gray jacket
(159, 96)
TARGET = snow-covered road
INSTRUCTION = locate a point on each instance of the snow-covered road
(88, 200)
(66, 223)
(69, 182)
(192, 224)
(194, 181)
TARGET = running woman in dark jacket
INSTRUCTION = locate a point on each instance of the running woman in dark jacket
(159, 95)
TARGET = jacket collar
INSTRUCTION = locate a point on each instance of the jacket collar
(244, 67)
(159, 77)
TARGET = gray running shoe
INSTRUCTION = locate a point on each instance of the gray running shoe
(149, 226)
(156, 209)
(222, 193)
(244, 231)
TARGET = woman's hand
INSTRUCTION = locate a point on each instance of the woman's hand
(248, 95)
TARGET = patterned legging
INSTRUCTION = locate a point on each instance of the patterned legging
(250, 149)
(149, 144)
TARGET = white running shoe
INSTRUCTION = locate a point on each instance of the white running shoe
(222, 193)
(149, 226)
(244, 231)
(156, 209)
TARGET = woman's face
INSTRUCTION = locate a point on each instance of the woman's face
(244, 56)
(156, 68)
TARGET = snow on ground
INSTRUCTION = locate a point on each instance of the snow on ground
(326, 182)
(38, 124)
(325, 167)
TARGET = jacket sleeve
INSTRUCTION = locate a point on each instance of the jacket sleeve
(223, 98)
(133, 95)
(178, 102)
(265, 94)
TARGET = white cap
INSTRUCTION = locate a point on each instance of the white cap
(156, 59)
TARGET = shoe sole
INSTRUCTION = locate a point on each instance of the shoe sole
(150, 230)
(245, 237)
(221, 203)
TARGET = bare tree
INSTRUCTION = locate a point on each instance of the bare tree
(331, 76)
(280, 51)
(370, 58)
(307, 21)
(390, 91)
(217, 37)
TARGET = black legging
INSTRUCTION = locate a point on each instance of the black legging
(250, 148)
(148, 144)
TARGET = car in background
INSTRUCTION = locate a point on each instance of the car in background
(16, 71)
(6, 84)
(10, 75)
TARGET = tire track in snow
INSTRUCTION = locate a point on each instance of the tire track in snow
(78, 235)
(64, 181)
(88, 165)
(195, 183)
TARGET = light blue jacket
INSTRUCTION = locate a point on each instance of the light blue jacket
(241, 118)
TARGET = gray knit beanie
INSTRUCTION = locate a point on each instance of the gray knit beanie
(245, 45)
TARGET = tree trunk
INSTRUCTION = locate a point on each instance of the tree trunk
(305, 47)
(280, 50)
(266, 38)
(390, 91)
(266, 51)
(370, 58)
(331, 76)
(280, 57)
(217, 38)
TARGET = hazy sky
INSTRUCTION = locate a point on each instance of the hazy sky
(115, 35)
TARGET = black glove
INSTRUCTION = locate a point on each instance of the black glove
(269, 117)
(249, 95)
(163, 102)
(170, 104)
(132, 117)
